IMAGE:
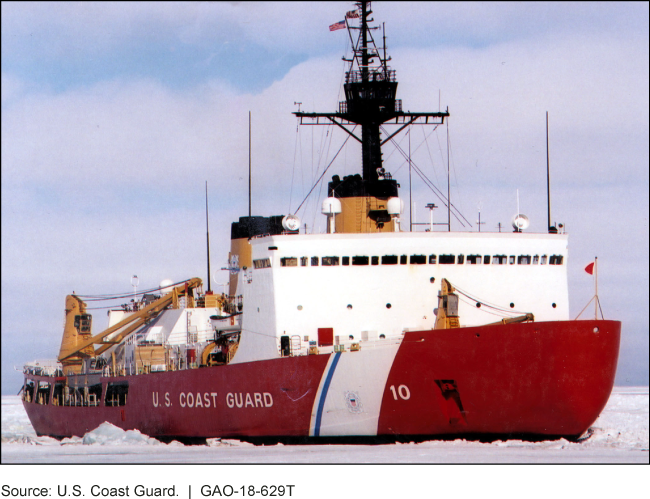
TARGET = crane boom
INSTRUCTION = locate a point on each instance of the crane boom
(72, 350)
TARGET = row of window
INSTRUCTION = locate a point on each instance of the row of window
(443, 259)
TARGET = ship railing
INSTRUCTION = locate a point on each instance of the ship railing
(352, 346)
(47, 367)
(343, 106)
(78, 399)
(372, 75)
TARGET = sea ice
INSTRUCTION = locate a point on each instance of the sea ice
(619, 435)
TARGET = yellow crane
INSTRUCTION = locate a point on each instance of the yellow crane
(78, 343)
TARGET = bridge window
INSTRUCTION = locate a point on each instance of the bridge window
(389, 260)
(303, 261)
(512, 260)
(345, 260)
(402, 260)
(535, 259)
(473, 259)
(447, 259)
(523, 260)
(486, 260)
(418, 259)
(360, 260)
(432, 259)
(314, 261)
(499, 259)
(544, 257)
(461, 259)
(330, 260)
(374, 260)
(556, 260)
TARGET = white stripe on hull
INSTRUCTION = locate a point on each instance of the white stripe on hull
(351, 403)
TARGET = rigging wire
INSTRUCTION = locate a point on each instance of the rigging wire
(293, 168)
(324, 172)
(481, 309)
(433, 187)
(320, 189)
(125, 295)
(433, 165)
(453, 164)
(489, 305)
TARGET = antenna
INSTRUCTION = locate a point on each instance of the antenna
(518, 202)
(410, 191)
(249, 164)
(134, 282)
(207, 231)
(431, 207)
(519, 221)
(479, 221)
(551, 229)
(448, 187)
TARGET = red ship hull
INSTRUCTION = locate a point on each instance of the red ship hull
(544, 378)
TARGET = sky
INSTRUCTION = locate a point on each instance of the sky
(114, 115)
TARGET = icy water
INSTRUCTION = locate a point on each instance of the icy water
(620, 435)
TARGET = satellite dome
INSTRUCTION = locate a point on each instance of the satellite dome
(331, 206)
(395, 206)
(520, 222)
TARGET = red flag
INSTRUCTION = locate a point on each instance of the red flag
(589, 269)
(352, 14)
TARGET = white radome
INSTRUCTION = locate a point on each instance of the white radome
(331, 206)
(395, 206)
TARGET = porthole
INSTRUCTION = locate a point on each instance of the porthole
(349, 307)
(382, 336)
(596, 330)
(553, 305)
(299, 307)
(478, 304)
(432, 280)
(351, 337)
(388, 305)
(512, 305)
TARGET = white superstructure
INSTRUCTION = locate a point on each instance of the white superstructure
(376, 286)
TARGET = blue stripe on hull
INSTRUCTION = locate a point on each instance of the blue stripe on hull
(323, 394)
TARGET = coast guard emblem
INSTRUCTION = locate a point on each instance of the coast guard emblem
(353, 402)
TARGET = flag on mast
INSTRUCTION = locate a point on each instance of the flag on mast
(589, 269)
(352, 14)
(338, 25)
